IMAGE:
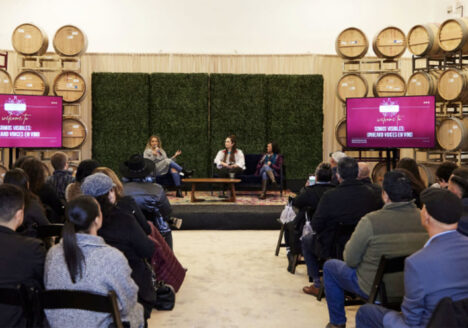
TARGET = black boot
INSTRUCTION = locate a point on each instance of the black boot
(187, 173)
(179, 193)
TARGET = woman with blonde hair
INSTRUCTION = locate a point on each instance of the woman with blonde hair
(163, 164)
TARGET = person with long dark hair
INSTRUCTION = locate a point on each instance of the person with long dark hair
(83, 261)
(230, 160)
(85, 168)
(269, 166)
(36, 171)
(34, 213)
(121, 230)
(163, 164)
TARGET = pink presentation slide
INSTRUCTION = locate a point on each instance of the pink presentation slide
(30, 121)
(397, 122)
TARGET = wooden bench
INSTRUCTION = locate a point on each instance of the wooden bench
(195, 181)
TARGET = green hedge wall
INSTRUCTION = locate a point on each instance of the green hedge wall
(178, 114)
(296, 120)
(195, 113)
(120, 116)
(238, 106)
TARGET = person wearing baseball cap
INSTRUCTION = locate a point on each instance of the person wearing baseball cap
(438, 270)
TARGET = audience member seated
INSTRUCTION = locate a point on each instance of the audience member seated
(85, 168)
(34, 213)
(334, 159)
(346, 204)
(34, 168)
(149, 196)
(364, 177)
(61, 177)
(121, 230)
(416, 185)
(230, 160)
(394, 230)
(458, 184)
(21, 258)
(83, 261)
(164, 263)
(269, 166)
(443, 173)
(438, 270)
(163, 164)
(411, 165)
(306, 202)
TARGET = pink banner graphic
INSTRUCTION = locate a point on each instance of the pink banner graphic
(397, 122)
(30, 121)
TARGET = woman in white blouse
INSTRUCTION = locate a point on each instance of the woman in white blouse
(230, 160)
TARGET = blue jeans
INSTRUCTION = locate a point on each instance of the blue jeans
(264, 170)
(370, 315)
(337, 278)
(308, 251)
(175, 175)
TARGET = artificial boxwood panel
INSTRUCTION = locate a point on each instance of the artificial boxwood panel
(119, 116)
(178, 114)
(238, 105)
(295, 120)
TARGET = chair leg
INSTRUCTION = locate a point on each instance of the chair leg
(280, 238)
(321, 293)
(294, 263)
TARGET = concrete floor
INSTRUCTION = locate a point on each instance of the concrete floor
(235, 280)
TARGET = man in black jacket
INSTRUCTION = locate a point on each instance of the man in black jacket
(344, 205)
(21, 258)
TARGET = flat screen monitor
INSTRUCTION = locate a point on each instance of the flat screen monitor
(390, 122)
(30, 121)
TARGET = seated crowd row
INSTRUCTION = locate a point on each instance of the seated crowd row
(401, 218)
(116, 237)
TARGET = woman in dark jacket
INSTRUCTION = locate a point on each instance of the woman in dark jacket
(121, 230)
(165, 264)
(36, 172)
(269, 166)
(34, 214)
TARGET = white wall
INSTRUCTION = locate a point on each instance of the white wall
(216, 26)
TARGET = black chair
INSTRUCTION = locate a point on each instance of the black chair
(449, 313)
(75, 299)
(18, 296)
(387, 265)
(50, 233)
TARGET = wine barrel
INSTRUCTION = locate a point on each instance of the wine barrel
(31, 82)
(389, 85)
(74, 133)
(453, 85)
(340, 132)
(5, 82)
(427, 173)
(29, 39)
(70, 85)
(453, 35)
(452, 133)
(351, 43)
(389, 43)
(69, 40)
(351, 85)
(423, 83)
(423, 40)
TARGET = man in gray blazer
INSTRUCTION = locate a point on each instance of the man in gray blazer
(438, 270)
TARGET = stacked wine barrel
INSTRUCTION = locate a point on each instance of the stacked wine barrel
(69, 43)
(448, 83)
(352, 45)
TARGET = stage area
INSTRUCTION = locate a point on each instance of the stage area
(248, 213)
